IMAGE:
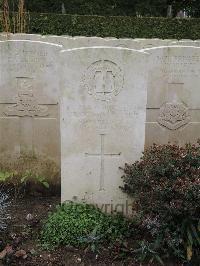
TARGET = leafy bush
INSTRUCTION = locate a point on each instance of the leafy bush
(81, 225)
(21, 182)
(148, 252)
(166, 186)
(29, 174)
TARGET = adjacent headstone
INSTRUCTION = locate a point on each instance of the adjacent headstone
(29, 97)
(103, 112)
(25, 36)
(173, 105)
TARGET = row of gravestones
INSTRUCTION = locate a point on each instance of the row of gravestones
(69, 42)
(113, 102)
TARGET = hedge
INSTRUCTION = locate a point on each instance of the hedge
(115, 26)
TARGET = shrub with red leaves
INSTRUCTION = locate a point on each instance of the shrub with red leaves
(165, 184)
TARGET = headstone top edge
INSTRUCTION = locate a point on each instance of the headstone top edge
(168, 47)
(104, 47)
(31, 41)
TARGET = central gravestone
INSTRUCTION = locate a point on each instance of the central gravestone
(103, 102)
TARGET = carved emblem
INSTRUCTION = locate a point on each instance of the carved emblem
(174, 115)
(26, 103)
(26, 106)
(103, 79)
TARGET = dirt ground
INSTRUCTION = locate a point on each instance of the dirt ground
(19, 245)
(21, 238)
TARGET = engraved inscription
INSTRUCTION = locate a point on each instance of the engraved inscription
(179, 66)
(102, 155)
(174, 115)
(103, 79)
(26, 59)
(26, 103)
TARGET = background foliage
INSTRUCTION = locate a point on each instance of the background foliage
(119, 27)
(112, 7)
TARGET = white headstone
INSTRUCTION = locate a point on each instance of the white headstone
(103, 112)
(173, 95)
(29, 96)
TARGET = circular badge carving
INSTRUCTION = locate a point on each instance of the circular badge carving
(103, 79)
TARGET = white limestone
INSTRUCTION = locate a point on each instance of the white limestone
(173, 95)
(186, 43)
(25, 36)
(149, 43)
(103, 112)
(78, 42)
(29, 96)
(20, 36)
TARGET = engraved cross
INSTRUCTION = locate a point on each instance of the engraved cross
(102, 156)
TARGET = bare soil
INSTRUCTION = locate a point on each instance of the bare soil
(22, 245)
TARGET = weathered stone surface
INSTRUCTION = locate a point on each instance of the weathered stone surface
(70, 42)
(103, 112)
(61, 40)
(4, 36)
(186, 43)
(173, 102)
(20, 36)
(29, 97)
(149, 43)
(113, 42)
(81, 41)
(25, 36)
(78, 42)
